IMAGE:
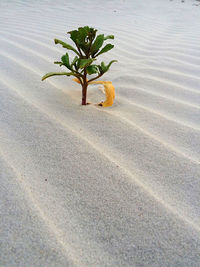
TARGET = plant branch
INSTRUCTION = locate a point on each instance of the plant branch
(79, 50)
(101, 74)
(79, 80)
(89, 48)
(78, 73)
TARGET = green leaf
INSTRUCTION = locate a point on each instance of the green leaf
(74, 35)
(91, 34)
(65, 45)
(65, 60)
(92, 69)
(84, 47)
(82, 63)
(111, 62)
(56, 73)
(100, 69)
(97, 43)
(82, 34)
(105, 49)
(74, 61)
(88, 29)
(78, 37)
(83, 38)
(59, 63)
(109, 37)
(105, 67)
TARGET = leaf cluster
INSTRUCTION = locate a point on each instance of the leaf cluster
(88, 45)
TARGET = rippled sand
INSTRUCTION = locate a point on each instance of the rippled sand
(93, 186)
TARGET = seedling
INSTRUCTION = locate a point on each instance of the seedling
(87, 48)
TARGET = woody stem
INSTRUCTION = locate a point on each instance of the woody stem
(84, 88)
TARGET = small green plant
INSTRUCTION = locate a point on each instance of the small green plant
(87, 48)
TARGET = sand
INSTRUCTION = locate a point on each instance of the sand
(93, 186)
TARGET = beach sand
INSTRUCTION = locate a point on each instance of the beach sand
(93, 186)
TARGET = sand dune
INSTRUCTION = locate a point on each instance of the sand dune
(92, 186)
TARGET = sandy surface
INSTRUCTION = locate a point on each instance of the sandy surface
(92, 186)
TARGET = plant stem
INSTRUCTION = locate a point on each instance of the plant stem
(84, 93)
(79, 50)
(84, 88)
(95, 77)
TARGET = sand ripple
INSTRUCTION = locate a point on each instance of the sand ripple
(101, 187)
